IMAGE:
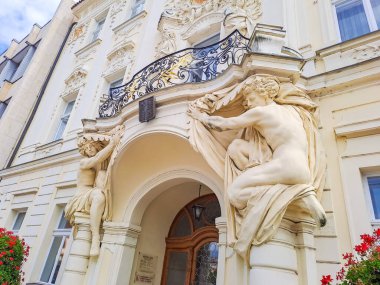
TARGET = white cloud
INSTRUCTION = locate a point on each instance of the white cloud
(18, 16)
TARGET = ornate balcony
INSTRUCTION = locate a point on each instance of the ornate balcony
(191, 65)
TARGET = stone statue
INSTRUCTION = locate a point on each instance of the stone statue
(93, 182)
(261, 137)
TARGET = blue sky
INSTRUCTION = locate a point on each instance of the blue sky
(18, 16)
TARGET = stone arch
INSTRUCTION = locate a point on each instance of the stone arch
(172, 161)
(155, 186)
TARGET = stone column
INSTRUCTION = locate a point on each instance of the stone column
(289, 258)
(221, 225)
(306, 252)
(115, 262)
(77, 261)
(275, 262)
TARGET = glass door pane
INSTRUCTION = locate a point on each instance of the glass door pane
(177, 268)
(206, 264)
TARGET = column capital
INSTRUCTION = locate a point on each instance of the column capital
(125, 234)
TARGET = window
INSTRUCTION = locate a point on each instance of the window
(3, 106)
(99, 26)
(138, 7)
(374, 190)
(198, 66)
(210, 41)
(57, 250)
(357, 17)
(18, 222)
(64, 119)
(116, 83)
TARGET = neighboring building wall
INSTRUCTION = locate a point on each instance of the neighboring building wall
(107, 45)
(26, 66)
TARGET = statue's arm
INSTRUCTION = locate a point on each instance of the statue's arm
(218, 123)
(99, 157)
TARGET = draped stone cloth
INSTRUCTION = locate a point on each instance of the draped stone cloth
(257, 221)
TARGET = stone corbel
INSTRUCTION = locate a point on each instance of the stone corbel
(271, 39)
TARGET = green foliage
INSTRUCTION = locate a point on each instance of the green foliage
(13, 253)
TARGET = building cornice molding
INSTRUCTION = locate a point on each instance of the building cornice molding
(350, 44)
(344, 78)
(56, 159)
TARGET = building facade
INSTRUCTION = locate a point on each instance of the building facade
(24, 70)
(121, 53)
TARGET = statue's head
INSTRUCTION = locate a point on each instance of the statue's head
(259, 90)
(88, 147)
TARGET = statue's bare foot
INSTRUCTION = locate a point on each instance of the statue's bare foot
(316, 210)
(95, 247)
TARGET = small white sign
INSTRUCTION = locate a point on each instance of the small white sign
(146, 268)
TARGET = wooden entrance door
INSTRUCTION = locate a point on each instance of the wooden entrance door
(191, 247)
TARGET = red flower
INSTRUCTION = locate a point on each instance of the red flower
(340, 274)
(362, 248)
(11, 251)
(367, 239)
(377, 232)
(11, 258)
(348, 255)
(326, 280)
(1, 263)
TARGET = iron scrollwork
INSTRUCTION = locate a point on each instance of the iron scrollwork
(190, 65)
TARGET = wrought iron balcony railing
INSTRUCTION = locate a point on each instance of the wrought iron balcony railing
(190, 65)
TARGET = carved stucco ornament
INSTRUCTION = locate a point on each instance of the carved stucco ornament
(182, 20)
(75, 80)
(121, 57)
(366, 52)
(78, 33)
(261, 137)
(116, 8)
(167, 44)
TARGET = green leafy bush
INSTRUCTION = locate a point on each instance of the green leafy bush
(13, 253)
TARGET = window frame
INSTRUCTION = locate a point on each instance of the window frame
(62, 118)
(370, 16)
(99, 25)
(65, 234)
(16, 231)
(134, 9)
(368, 198)
(207, 39)
(4, 109)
